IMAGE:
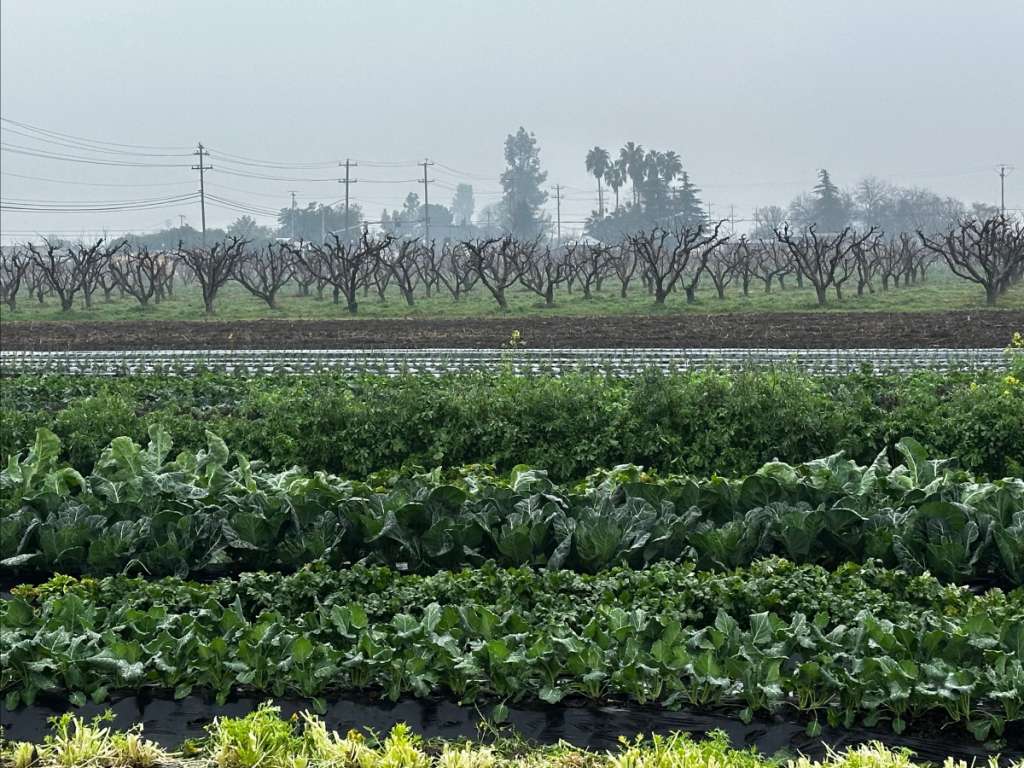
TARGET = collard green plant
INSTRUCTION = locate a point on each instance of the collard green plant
(215, 512)
(859, 644)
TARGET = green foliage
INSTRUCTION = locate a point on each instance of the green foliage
(208, 511)
(521, 181)
(262, 739)
(701, 422)
(859, 644)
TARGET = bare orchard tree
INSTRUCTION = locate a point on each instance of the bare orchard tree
(94, 263)
(406, 263)
(666, 256)
(623, 261)
(771, 261)
(867, 258)
(455, 269)
(213, 267)
(110, 282)
(66, 270)
(304, 279)
(431, 263)
(377, 274)
(589, 264)
(13, 266)
(498, 263)
(58, 270)
(265, 271)
(168, 263)
(546, 270)
(743, 259)
(891, 257)
(137, 271)
(989, 252)
(822, 258)
(342, 263)
(916, 260)
(36, 283)
(723, 266)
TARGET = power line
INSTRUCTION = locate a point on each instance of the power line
(37, 129)
(28, 206)
(94, 183)
(70, 144)
(18, 149)
(467, 174)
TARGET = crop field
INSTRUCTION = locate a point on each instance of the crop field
(511, 385)
(499, 538)
(834, 552)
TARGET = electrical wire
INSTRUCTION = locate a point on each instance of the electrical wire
(88, 148)
(96, 183)
(61, 206)
(37, 129)
(18, 149)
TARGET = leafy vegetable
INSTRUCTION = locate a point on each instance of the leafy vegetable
(213, 512)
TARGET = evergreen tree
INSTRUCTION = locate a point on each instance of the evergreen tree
(689, 208)
(831, 211)
(521, 180)
(463, 205)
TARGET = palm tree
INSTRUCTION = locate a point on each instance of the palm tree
(670, 165)
(615, 177)
(598, 161)
(632, 157)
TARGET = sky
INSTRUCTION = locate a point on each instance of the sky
(755, 96)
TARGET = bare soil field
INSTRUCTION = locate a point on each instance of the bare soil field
(963, 329)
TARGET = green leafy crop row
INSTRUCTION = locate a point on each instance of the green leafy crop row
(860, 644)
(266, 739)
(701, 422)
(213, 513)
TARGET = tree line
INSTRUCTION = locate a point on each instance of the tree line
(661, 260)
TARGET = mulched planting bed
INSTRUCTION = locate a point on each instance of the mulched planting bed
(169, 723)
(988, 328)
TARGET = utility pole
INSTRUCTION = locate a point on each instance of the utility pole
(181, 221)
(709, 211)
(1004, 171)
(346, 181)
(201, 151)
(732, 218)
(426, 201)
(293, 214)
(558, 213)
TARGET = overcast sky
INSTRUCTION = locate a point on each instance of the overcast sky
(754, 96)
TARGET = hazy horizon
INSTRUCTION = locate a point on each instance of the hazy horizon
(754, 98)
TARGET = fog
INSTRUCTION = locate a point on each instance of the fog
(755, 98)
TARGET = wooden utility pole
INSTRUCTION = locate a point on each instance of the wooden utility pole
(293, 214)
(1003, 173)
(558, 213)
(426, 201)
(346, 181)
(202, 168)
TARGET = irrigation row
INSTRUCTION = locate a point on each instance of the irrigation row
(622, 362)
